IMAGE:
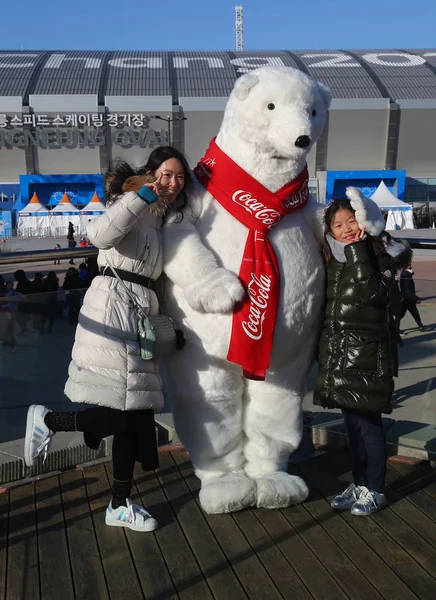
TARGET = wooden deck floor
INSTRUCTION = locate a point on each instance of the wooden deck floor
(55, 545)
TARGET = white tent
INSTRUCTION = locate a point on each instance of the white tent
(62, 214)
(94, 208)
(400, 214)
(33, 219)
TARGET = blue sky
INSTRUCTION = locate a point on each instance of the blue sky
(202, 24)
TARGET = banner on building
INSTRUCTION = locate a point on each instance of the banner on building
(84, 130)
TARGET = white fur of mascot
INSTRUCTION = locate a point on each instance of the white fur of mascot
(237, 387)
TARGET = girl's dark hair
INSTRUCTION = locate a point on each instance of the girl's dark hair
(120, 171)
(377, 243)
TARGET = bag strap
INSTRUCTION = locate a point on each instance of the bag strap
(161, 291)
(129, 293)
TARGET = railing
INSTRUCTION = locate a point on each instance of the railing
(14, 258)
(421, 243)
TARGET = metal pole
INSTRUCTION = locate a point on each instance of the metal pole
(16, 258)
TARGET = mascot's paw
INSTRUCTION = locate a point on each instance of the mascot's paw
(368, 214)
(218, 292)
(279, 490)
(228, 493)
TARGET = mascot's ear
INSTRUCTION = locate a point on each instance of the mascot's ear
(244, 85)
(325, 93)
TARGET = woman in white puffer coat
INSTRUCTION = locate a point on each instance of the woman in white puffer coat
(106, 368)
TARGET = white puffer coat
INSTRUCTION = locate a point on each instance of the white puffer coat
(106, 367)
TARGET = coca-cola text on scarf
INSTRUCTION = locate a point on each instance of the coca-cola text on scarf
(259, 210)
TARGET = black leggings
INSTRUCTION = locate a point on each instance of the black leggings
(103, 422)
(124, 453)
(133, 431)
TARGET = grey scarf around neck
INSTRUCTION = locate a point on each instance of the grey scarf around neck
(394, 249)
(337, 248)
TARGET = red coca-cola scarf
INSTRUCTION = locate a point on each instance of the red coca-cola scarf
(259, 210)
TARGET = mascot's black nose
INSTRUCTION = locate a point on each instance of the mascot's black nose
(303, 141)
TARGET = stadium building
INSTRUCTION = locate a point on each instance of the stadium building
(65, 115)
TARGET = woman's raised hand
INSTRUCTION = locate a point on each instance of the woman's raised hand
(135, 183)
(157, 186)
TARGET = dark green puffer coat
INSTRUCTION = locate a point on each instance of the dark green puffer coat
(356, 365)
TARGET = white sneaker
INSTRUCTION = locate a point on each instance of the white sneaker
(368, 503)
(133, 516)
(38, 435)
(347, 499)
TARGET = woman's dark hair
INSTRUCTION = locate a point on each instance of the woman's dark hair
(2, 285)
(377, 243)
(120, 171)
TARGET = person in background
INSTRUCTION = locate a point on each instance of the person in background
(92, 267)
(357, 352)
(71, 241)
(410, 299)
(25, 308)
(73, 286)
(57, 260)
(24, 285)
(83, 273)
(38, 302)
(12, 298)
(4, 313)
(37, 283)
(397, 302)
(50, 290)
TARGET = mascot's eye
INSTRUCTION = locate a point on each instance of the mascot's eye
(271, 106)
(314, 113)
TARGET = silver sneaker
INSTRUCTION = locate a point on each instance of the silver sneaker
(133, 516)
(347, 499)
(368, 503)
(38, 436)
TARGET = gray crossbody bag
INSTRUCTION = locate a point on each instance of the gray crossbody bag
(157, 334)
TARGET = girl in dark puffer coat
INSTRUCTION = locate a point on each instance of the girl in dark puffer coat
(357, 351)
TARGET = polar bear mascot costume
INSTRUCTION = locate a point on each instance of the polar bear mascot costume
(247, 286)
